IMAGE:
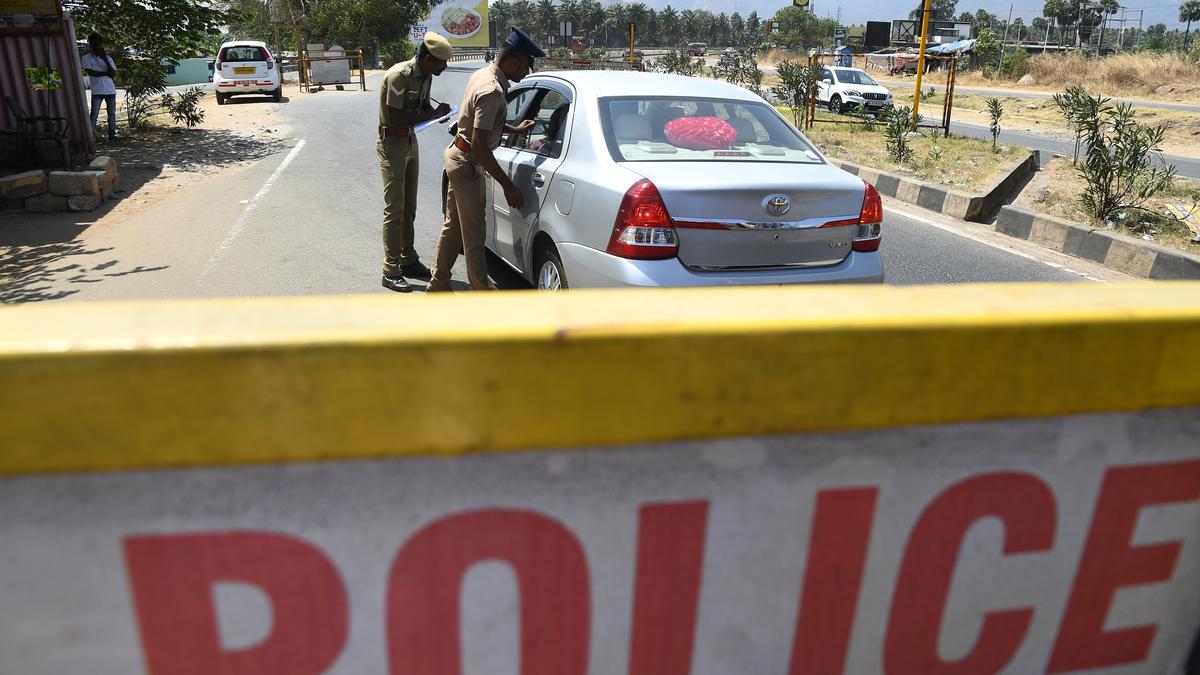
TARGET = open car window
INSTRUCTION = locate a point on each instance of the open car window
(648, 129)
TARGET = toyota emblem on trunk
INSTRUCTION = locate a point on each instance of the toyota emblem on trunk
(777, 205)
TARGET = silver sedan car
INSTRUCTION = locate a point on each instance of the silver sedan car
(646, 179)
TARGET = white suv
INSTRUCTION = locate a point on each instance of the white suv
(843, 89)
(246, 67)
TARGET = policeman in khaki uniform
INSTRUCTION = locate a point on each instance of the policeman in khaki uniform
(470, 155)
(403, 104)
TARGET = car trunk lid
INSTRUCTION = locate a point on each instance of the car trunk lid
(724, 221)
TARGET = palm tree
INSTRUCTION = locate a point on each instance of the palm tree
(668, 19)
(616, 24)
(1189, 12)
(545, 17)
(688, 28)
(637, 16)
(501, 11)
(721, 29)
(523, 15)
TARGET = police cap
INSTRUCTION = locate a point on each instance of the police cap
(438, 46)
(520, 42)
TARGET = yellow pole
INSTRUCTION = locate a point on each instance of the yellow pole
(921, 63)
(631, 24)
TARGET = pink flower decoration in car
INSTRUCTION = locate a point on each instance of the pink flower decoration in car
(700, 133)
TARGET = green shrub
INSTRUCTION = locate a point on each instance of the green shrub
(1015, 64)
(1118, 167)
(897, 122)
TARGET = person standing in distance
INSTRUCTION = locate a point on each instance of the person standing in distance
(470, 155)
(100, 68)
(403, 104)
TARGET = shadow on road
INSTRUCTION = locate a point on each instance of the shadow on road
(185, 149)
(41, 262)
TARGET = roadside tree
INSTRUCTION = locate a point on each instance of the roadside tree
(1189, 12)
(797, 82)
(986, 48)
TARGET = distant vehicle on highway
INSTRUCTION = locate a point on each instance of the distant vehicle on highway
(246, 67)
(648, 179)
(731, 50)
(697, 48)
(844, 89)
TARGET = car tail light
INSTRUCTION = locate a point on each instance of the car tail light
(643, 229)
(270, 63)
(869, 223)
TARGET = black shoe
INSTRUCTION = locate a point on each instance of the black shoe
(417, 271)
(398, 284)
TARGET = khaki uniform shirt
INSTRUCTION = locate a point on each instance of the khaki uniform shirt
(484, 105)
(406, 87)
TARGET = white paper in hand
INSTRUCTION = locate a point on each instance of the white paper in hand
(422, 125)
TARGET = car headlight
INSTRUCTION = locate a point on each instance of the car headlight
(852, 92)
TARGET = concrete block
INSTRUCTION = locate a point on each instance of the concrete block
(850, 168)
(869, 175)
(84, 202)
(887, 184)
(1175, 265)
(105, 164)
(73, 183)
(22, 185)
(1047, 232)
(1015, 222)
(1130, 257)
(908, 191)
(931, 197)
(1075, 242)
(1095, 246)
(45, 203)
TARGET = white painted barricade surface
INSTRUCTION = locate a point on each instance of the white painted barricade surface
(1055, 545)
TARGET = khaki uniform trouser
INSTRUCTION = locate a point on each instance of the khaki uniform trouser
(464, 228)
(399, 162)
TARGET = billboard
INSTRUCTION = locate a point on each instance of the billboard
(30, 16)
(463, 22)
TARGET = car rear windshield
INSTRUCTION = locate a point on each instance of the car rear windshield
(854, 77)
(669, 129)
(243, 53)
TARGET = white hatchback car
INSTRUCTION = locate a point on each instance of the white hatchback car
(844, 89)
(246, 67)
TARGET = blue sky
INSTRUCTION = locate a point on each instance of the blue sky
(860, 11)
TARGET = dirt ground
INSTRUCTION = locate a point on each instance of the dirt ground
(165, 158)
(1055, 190)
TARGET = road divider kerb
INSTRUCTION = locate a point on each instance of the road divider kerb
(1131, 256)
(942, 199)
(104, 386)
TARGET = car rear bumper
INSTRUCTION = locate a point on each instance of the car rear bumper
(588, 268)
(251, 86)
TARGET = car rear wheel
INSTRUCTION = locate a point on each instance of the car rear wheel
(277, 95)
(835, 104)
(220, 98)
(550, 276)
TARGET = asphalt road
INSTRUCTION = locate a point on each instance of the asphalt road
(307, 221)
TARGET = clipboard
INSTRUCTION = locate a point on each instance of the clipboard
(443, 118)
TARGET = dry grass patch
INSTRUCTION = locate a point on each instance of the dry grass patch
(1056, 188)
(1171, 77)
(966, 164)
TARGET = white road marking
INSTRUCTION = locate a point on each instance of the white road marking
(250, 208)
(969, 235)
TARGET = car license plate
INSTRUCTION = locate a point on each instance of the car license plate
(243, 83)
(244, 70)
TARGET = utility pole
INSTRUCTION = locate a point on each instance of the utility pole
(916, 116)
(1121, 35)
(1047, 40)
(1004, 40)
(1079, 24)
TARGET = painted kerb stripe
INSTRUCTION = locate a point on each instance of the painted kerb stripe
(121, 385)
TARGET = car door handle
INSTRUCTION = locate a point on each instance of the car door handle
(538, 180)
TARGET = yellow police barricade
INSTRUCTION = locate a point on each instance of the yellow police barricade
(977, 479)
